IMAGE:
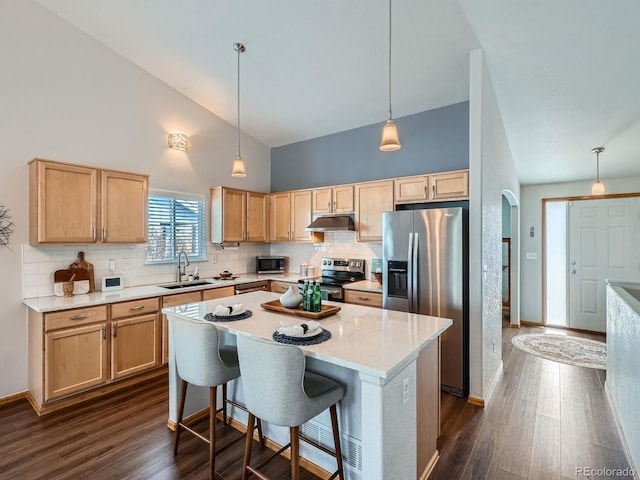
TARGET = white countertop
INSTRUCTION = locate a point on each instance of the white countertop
(54, 303)
(369, 340)
(364, 285)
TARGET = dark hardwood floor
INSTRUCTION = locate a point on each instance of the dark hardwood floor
(544, 420)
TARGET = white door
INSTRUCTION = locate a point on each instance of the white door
(603, 244)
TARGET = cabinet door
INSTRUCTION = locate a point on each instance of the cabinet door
(234, 215)
(372, 199)
(343, 199)
(280, 217)
(63, 203)
(135, 345)
(124, 207)
(220, 292)
(443, 186)
(411, 189)
(75, 359)
(300, 215)
(172, 301)
(322, 201)
(257, 216)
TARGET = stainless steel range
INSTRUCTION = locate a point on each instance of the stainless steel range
(335, 273)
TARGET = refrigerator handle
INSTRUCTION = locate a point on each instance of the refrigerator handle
(410, 273)
(414, 269)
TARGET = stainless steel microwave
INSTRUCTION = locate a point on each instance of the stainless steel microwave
(270, 264)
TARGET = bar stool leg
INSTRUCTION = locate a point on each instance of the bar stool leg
(247, 446)
(224, 404)
(294, 434)
(183, 395)
(212, 432)
(336, 438)
(260, 436)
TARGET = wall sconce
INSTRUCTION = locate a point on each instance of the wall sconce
(178, 141)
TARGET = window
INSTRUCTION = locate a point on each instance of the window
(175, 223)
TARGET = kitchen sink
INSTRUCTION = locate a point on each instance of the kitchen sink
(173, 286)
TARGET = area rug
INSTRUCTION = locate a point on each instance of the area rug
(577, 351)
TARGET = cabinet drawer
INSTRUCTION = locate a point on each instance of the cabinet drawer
(218, 293)
(135, 307)
(181, 299)
(75, 317)
(359, 297)
(281, 287)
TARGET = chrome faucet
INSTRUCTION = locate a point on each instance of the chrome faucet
(182, 269)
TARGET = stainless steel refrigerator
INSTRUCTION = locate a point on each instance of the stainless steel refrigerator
(425, 270)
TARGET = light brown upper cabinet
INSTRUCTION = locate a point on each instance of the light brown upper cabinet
(435, 187)
(290, 214)
(337, 199)
(124, 207)
(449, 185)
(79, 204)
(372, 198)
(238, 215)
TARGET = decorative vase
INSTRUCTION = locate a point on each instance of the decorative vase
(291, 298)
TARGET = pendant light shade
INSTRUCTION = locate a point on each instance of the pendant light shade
(238, 169)
(390, 140)
(598, 186)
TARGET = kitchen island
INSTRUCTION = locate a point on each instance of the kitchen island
(388, 362)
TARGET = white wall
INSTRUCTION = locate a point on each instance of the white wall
(66, 97)
(491, 171)
(531, 215)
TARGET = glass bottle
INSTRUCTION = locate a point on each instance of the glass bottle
(305, 296)
(317, 298)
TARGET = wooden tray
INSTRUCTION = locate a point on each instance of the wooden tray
(276, 306)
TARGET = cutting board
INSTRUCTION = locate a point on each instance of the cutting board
(66, 274)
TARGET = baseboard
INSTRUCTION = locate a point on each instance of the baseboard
(481, 402)
(13, 398)
(623, 439)
(430, 466)
(270, 444)
(514, 325)
(533, 324)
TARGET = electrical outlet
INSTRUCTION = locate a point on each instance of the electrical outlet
(405, 390)
(127, 264)
(214, 258)
(112, 265)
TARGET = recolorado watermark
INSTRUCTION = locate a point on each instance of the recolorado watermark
(604, 472)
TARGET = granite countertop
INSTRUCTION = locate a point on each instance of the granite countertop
(369, 340)
(365, 286)
(54, 303)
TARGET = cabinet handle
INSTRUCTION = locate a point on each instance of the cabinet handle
(363, 298)
(104, 234)
(329, 206)
(115, 330)
(335, 204)
(94, 234)
(104, 332)
(80, 317)
(283, 288)
(135, 309)
(247, 236)
(433, 191)
(425, 191)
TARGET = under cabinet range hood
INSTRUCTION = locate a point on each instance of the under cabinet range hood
(331, 223)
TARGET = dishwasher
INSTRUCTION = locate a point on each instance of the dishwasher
(258, 286)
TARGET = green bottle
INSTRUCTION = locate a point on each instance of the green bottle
(305, 296)
(317, 298)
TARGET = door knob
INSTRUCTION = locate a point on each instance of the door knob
(573, 262)
(573, 271)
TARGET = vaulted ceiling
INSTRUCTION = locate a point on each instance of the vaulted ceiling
(565, 73)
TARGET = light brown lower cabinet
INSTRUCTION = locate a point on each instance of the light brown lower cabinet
(362, 297)
(75, 360)
(135, 345)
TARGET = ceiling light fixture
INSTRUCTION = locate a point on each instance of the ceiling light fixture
(598, 187)
(178, 141)
(390, 140)
(238, 164)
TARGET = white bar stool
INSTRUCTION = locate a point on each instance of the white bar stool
(201, 360)
(279, 390)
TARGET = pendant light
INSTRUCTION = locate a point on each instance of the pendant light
(238, 164)
(390, 140)
(598, 187)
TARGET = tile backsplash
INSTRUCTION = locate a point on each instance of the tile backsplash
(39, 263)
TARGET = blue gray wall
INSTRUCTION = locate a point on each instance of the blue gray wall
(432, 141)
